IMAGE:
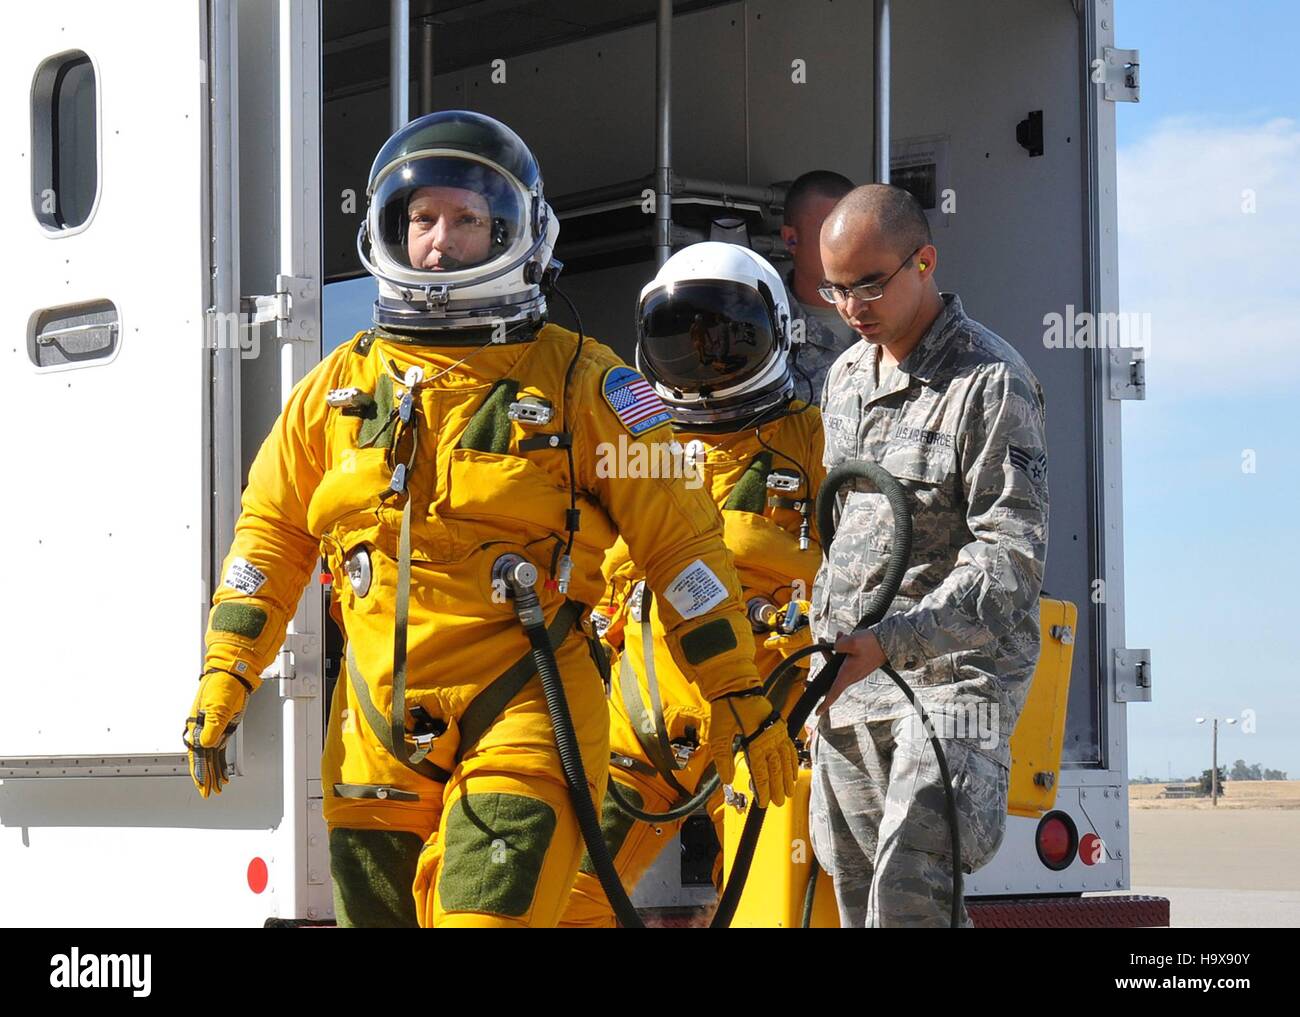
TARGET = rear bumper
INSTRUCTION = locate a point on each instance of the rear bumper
(1130, 911)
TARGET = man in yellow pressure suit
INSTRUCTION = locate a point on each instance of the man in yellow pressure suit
(714, 337)
(458, 431)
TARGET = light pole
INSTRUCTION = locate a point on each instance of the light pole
(1214, 758)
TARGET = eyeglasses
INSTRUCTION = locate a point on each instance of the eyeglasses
(834, 294)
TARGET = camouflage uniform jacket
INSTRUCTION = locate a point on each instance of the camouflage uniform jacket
(960, 424)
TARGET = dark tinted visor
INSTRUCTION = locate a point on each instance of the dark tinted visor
(705, 335)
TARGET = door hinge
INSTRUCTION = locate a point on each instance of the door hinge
(285, 667)
(293, 308)
(1132, 676)
(1121, 81)
(1128, 372)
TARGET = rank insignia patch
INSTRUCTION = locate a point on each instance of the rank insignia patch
(1034, 467)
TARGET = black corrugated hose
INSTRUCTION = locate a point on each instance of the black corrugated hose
(881, 598)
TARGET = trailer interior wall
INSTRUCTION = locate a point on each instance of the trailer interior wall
(587, 110)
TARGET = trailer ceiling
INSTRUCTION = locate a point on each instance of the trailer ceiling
(466, 34)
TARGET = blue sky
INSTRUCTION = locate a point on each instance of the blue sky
(1212, 552)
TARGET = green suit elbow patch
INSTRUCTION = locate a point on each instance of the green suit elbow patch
(494, 848)
(708, 641)
(615, 824)
(245, 620)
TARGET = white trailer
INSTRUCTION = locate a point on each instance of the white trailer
(181, 192)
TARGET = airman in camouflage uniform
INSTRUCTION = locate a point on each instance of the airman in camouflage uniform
(823, 334)
(960, 423)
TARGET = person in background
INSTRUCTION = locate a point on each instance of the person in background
(825, 333)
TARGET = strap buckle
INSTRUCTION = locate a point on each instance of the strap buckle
(427, 730)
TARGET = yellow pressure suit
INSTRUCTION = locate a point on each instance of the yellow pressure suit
(762, 528)
(490, 819)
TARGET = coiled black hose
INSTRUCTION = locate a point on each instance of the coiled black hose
(708, 784)
(882, 597)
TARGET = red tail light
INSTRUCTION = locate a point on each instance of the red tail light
(258, 876)
(1057, 840)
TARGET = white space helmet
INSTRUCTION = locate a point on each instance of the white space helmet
(713, 335)
(459, 235)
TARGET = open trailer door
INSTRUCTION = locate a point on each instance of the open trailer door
(140, 372)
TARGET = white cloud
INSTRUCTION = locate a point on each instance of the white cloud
(1222, 285)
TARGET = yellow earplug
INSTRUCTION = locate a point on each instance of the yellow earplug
(923, 266)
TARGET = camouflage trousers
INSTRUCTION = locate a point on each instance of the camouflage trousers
(879, 821)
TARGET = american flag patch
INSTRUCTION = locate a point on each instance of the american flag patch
(632, 398)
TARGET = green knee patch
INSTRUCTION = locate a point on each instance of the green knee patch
(373, 871)
(708, 641)
(244, 620)
(750, 492)
(493, 853)
(489, 429)
(614, 825)
(372, 425)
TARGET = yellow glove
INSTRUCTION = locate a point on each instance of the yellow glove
(213, 719)
(788, 644)
(773, 762)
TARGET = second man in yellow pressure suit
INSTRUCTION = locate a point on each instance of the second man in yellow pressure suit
(714, 338)
(459, 429)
